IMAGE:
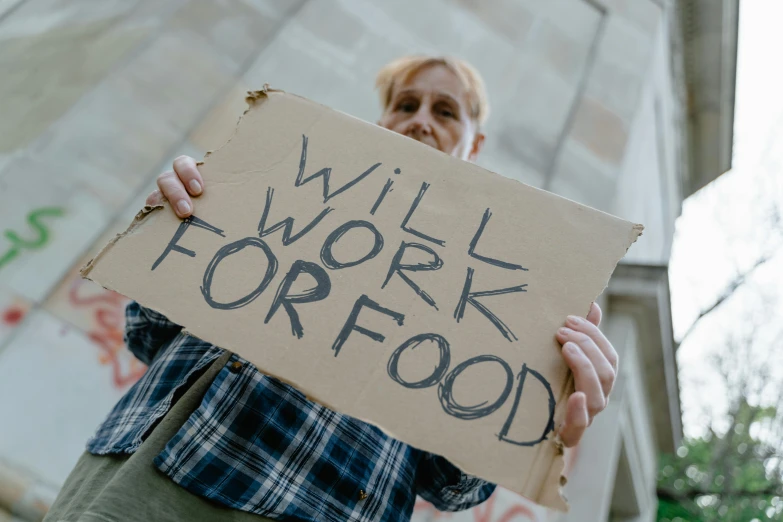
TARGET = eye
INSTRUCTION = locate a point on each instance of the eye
(444, 110)
(408, 105)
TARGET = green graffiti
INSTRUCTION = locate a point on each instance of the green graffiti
(42, 234)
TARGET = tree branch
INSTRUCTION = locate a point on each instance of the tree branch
(729, 291)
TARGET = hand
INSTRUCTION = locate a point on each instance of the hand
(178, 185)
(593, 361)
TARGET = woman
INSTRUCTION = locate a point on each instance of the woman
(205, 436)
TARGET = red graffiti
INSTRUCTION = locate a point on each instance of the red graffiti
(484, 512)
(13, 316)
(109, 317)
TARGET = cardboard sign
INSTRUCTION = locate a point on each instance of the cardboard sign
(385, 280)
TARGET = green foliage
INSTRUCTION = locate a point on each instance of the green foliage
(730, 477)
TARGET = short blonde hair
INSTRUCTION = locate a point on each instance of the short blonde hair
(401, 69)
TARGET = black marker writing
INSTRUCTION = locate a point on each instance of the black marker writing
(471, 297)
(173, 246)
(327, 257)
(450, 406)
(230, 249)
(350, 323)
(444, 360)
(398, 267)
(414, 205)
(323, 285)
(550, 425)
(287, 224)
(326, 173)
(386, 189)
(490, 260)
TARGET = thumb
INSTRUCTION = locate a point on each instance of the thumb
(595, 314)
(577, 419)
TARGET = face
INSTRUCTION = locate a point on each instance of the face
(432, 107)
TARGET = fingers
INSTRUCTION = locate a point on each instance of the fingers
(593, 362)
(576, 420)
(591, 330)
(595, 314)
(186, 170)
(585, 378)
(179, 185)
(603, 369)
(154, 199)
(172, 189)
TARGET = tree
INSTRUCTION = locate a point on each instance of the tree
(734, 472)
(729, 477)
(732, 469)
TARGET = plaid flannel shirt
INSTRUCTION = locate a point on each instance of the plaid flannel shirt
(258, 445)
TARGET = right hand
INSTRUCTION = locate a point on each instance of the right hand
(177, 186)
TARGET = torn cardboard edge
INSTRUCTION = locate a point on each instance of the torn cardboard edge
(545, 451)
(253, 98)
(137, 220)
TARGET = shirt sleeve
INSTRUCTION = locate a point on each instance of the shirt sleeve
(146, 331)
(442, 484)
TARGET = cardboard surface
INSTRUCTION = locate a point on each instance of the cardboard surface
(384, 279)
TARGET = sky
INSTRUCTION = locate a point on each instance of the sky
(726, 226)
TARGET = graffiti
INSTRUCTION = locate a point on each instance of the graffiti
(108, 313)
(18, 244)
(518, 512)
(13, 315)
(13, 311)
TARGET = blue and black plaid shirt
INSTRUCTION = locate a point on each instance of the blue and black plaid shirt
(258, 445)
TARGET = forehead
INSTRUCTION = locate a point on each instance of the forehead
(434, 79)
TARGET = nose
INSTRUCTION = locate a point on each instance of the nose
(419, 125)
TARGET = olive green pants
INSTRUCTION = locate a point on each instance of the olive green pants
(129, 488)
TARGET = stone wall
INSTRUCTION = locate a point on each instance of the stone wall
(98, 97)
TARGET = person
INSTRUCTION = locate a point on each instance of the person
(203, 435)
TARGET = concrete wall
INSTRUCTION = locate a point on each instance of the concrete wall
(98, 97)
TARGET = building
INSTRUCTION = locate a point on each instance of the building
(623, 105)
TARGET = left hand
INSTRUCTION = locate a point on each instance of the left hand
(593, 361)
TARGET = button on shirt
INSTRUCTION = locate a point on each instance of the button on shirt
(258, 445)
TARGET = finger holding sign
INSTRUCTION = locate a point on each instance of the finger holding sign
(593, 362)
(576, 420)
(595, 314)
(603, 368)
(173, 190)
(178, 185)
(186, 170)
(590, 328)
(155, 198)
(586, 377)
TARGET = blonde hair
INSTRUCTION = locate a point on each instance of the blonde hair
(401, 69)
